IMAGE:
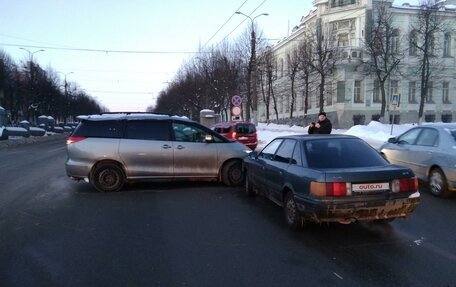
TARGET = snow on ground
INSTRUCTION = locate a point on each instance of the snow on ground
(375, 133)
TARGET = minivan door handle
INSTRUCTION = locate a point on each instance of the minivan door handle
(180, 147)
(165, 146)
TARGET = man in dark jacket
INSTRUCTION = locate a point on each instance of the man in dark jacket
(323, 126)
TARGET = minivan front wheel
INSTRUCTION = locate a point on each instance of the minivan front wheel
(108, 177)
(232, 174)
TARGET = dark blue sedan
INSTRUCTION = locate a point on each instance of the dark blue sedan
(330, 178)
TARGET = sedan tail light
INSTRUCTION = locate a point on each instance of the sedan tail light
(405, 185)
(71, 140)
(330, 188)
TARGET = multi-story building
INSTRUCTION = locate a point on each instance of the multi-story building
(352, 95)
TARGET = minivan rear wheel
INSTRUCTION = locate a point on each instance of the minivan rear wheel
(108, 177)
(232, 174)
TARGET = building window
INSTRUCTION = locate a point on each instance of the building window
(342, 40)
(394, 87)
(447, 45)
(376, 97)
(412, 92)
(446, 93)
(281, 67)
(430, 93)
(341, 3)
(447, 118)
(329, 93)
(430, 118)
(358, 93)
(395, 41)
(412, 43)
(432, 45)
(340, 91)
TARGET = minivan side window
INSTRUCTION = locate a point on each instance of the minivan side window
(188, 133)
(99, 129)
(147, 130)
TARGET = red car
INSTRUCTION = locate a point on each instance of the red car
(243, 132)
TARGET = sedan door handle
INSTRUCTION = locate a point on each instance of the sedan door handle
(180, 147)
(165, 146)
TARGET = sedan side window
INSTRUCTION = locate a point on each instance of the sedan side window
(269, 151)
(285, 152)
(429, 137)
(409, 137)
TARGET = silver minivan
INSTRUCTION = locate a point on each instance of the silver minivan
(109, 150)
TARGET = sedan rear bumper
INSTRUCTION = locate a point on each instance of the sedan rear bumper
(351, 211)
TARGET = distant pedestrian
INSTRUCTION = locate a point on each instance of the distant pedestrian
(323, 126)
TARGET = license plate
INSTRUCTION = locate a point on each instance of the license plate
(243, 138)
(367, 187)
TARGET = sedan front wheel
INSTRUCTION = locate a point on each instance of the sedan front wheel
(438, 184)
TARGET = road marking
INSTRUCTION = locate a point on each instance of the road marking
(57, 149)
(338, 276)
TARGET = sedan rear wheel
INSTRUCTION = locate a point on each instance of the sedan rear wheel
(108, 177)
(438, 184)
(291, 212)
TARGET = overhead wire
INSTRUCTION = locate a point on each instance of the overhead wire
(223, 25)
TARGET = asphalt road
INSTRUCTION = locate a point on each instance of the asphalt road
(57, 232)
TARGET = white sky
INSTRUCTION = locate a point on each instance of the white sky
(130, 81)
(171, 30)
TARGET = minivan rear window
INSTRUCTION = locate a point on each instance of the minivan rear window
(99, 129)
(245, 129)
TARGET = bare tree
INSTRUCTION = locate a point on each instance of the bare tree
(306, 69)
(382, 46)
(293, 63)
(268, 66)
(323, 60)
(424, 40)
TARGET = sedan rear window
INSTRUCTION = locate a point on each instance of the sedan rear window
(341, 153)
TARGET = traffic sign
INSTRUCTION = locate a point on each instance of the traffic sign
(236, 101)
(236, 111)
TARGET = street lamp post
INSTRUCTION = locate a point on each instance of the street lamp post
(33, 105)
(67, 111)
(253, 73)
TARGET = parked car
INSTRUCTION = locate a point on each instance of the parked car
(330, 178)
(430, 151)
(110, 149)
(243, 132)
